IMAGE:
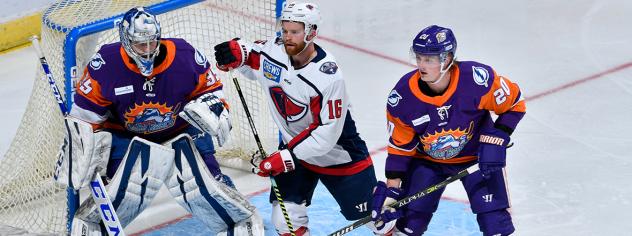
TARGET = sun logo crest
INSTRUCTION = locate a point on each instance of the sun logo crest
(150, 117)
(446, 144)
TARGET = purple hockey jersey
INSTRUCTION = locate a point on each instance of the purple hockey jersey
(112, 93)
(445, 128)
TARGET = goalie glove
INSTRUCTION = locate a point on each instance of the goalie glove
(209, 114)
(83, 153)
(492, 151)
(277, 163)
(232, 54)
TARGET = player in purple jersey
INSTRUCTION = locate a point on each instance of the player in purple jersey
(309, 103)
(439, 123)
(143, 115)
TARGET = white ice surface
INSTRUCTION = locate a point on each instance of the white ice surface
(568, 171)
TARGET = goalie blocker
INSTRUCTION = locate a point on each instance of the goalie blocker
(147, 166)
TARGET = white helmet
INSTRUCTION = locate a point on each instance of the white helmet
(306, 13)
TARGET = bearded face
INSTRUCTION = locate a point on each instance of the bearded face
(293, 48)
(293, 37)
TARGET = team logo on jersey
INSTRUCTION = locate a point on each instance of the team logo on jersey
(271, 71)
(446, 144)
(150, 117)
(393, 98)
(200, 59)
(443, 111)
(286, 106)
(97, 61)
(480, 75)
(329, 67)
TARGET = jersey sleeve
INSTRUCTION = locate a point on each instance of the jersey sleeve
(402, 144)
(208, 82)
(506, 100)
(328, 109)
(253, 62)
(89, 103)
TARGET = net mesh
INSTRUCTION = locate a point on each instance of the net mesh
(29, 198)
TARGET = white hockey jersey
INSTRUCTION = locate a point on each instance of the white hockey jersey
(310, 106)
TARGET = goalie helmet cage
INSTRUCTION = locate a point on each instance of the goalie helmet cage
(72, 31)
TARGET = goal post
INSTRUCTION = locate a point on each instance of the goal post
(72, 31)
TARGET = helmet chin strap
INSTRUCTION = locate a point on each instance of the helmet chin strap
(307, 42)
(443, 71)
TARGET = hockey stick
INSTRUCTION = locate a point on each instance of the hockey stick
(99, 194)
(275, 187)
(405, 201)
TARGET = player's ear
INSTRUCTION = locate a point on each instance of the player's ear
(312, 33)
(449, 60)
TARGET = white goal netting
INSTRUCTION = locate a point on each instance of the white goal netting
(29, 198)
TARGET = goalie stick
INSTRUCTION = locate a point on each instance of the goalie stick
(405, 201)
(97, 188)
(275, 187)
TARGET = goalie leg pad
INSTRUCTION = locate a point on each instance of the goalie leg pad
(253, 226)
(142, 172)
(191, 184)
(85, 228)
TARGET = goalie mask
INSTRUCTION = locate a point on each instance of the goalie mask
(140, 34)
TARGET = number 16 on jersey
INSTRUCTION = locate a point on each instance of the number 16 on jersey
(335, 108)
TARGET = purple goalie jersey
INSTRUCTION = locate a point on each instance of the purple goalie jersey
(112, 93)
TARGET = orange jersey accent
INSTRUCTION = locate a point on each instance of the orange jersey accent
(91, 89)
(171, 55)
(503, 96)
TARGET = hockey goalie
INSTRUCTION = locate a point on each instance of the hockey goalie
(144, 115)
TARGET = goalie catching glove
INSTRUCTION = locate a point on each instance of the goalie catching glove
(83, 153)
(209, 114)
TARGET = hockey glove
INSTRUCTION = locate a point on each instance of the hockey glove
(492, 151)
(382, 213)
(209, 114)
(277, 163)
(255, 160)
(231, 54)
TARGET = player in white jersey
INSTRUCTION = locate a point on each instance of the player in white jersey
(310, 105)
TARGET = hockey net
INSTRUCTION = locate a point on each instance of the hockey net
(29, 198)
